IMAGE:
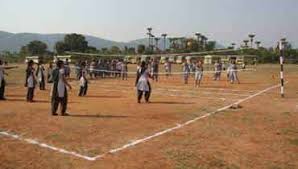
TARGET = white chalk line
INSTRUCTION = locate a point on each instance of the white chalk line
(43, 145)
(178, 126)
(133, 143)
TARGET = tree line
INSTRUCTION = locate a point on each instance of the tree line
(77, 43)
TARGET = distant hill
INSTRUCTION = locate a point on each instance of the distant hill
(14, 41)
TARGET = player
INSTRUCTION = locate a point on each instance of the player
(198, 73)
(59, 91)
(30, 81)
(124, 70)
(40, 76)
(233, 72)
(142, 83)
(2, 79)
(83, 82)
(218, 69)
(186, 71)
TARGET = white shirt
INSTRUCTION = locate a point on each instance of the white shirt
(82, 81)
(61, 85)
(30, 80)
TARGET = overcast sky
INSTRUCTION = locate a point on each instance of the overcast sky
(124, 20)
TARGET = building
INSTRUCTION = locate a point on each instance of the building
(35, 59)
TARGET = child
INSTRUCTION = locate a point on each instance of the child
(233, 73)
(124, 70)
(186, 71)
(217, 68)
(30, 81)
(59, 92)
(198, 73)
(155, 69)
(41, 77)
(83, 82)
(142, 83)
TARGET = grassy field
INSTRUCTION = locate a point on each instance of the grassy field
(160, 135)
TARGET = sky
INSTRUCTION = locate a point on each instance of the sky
(226, 21)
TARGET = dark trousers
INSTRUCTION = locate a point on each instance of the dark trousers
(83, 90)
(55, 104)
(147, 94)
(2, 89)
(30, 93)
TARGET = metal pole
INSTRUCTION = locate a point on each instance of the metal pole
(281, 59)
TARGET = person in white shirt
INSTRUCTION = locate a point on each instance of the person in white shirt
(142, 83)
(124, 70)
(83, 82)
(198, 73)
(2, 78)
(59, 90)
(30, 81)
(41, 76)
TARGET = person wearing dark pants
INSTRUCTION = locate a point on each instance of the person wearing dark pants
(59, 92)
(30, 81)
(41, 76)
(83, 82)
(142, 83)
(2, 79)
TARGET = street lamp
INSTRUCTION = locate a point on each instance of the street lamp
(251, 36)
(164, 41)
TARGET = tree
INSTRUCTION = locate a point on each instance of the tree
(210, 45)
(141, 49)
(131, 51)
(76, 42)
(61, 47)
(36, 48)
(115, 50)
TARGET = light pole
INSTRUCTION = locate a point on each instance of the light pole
(258, 43)
(149, 37)
(251, 37)
(156, 43)
(198, 39)
(164, 41)
(281, 45)
(246, 43)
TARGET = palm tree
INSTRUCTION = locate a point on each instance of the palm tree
(164, 41)
(251, 36)
(246, 43)
(258, 44)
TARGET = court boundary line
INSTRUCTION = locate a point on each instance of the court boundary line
(135, 142)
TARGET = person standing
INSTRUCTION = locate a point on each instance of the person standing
(186, 71)
(3, 67)
(233, 73)
(83, 82)
(217, 69)
(198, 73)
(155, 69)
(40, 76)
(124, 69)
(2, 81)
(59, 90)
(30, 81)
(142, 82)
